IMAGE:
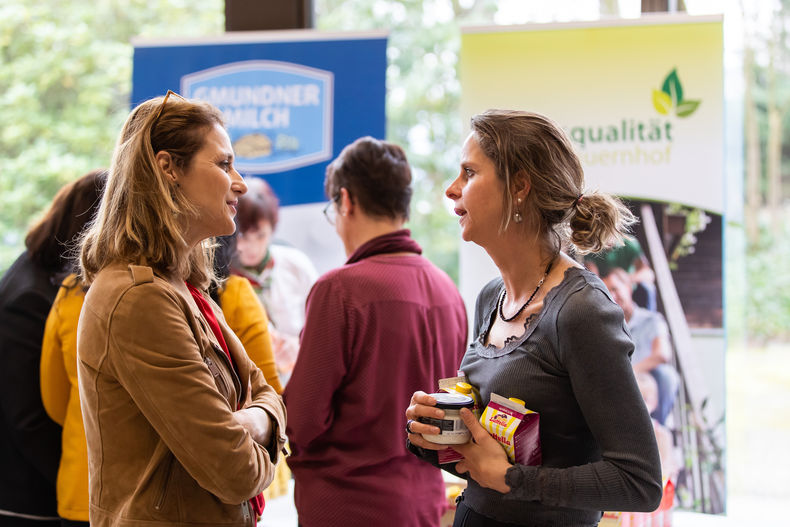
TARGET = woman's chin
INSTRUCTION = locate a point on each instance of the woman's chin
(226, 230)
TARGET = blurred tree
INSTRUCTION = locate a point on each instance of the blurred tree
(753, 162)
(766, 66)
(777, 106)
(767, 92)
(65, 80)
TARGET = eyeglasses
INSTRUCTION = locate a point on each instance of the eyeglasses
(162, 106)
(330, 211)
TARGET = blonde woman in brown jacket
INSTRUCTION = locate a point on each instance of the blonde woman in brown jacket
(181, 427)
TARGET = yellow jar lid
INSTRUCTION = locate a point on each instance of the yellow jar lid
(517, 400)
(463, 387)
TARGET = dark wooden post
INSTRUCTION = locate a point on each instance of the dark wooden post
(655, 6)
(662, 6)
(257, 15)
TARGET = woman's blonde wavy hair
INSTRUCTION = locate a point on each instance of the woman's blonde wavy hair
(530, 149)
(142, 213)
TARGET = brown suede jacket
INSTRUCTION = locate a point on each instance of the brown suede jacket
(158, 396)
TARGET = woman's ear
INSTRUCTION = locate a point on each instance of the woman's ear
(520, 186)
(167, 165)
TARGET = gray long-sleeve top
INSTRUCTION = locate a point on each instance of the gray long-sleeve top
(572, 366)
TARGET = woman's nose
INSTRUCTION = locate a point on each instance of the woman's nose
(453, 191)
(237, 183)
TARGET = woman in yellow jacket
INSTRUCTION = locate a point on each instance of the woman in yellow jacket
(60, 393)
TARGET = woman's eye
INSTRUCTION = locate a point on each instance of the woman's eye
(225, 165)
(469, 172)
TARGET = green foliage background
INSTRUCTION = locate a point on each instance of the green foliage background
(768, 299)
(766, 63)
(65, 82)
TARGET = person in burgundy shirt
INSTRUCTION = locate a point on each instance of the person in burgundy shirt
(383, 325)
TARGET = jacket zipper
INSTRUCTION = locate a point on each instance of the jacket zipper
(245, 507)
(217, 374)
(219, 352)
(236, 381)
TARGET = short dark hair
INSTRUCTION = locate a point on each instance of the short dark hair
(375, 173)
(50, 241)
(259, 203)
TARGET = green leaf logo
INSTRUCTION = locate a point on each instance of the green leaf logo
(662, 102)
(686, 108)
(672, 87)
(671, 96)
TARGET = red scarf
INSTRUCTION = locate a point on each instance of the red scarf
(257, 502)
(211, 318)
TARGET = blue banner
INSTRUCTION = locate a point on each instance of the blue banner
(290, 105)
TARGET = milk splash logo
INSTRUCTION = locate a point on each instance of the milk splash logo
(670, 97)
(278, 114)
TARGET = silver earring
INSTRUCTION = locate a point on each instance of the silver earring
(517, 217)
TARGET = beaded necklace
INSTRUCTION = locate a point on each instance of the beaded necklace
(529, 300)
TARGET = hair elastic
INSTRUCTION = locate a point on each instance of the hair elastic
(578, 200)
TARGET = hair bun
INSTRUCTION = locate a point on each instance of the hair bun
(598, 221)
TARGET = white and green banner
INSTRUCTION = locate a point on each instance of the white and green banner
(642, 101)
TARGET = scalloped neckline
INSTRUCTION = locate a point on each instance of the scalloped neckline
(530, 323)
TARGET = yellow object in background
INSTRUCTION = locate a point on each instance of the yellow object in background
(279, 485)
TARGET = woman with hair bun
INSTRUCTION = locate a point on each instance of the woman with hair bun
(546, 332)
